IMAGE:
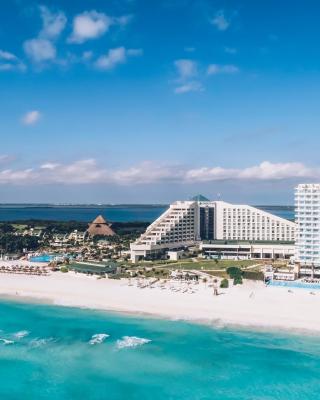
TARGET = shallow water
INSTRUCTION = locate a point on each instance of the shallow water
(61, 353)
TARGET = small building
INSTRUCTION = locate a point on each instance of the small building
(100, 227)
(95, 268)
(59, 240)
(34, 232)
(175, 255)
(77, 236)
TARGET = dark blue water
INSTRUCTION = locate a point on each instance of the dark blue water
(111, 213)
(45, 354)
(82, 214)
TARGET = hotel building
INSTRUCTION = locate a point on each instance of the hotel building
(307, 205)
(215, 223)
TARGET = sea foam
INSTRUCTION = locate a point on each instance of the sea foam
(6, 341)
(21, 334)
(131, 341)
(98, 338)
(42, 341)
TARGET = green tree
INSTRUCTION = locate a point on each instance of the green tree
(224, 283)
(234, 272)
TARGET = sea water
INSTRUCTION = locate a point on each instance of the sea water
(117, 213)
(49, 352)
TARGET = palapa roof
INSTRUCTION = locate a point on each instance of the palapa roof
(100, 227)
(99, 220)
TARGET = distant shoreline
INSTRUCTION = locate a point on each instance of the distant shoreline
(120, 205)
(92, 206)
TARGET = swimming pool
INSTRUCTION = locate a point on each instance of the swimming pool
(45, 258)
(295, 284)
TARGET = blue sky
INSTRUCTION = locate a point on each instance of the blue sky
(152, 101)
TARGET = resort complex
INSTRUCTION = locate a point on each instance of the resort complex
(220, 228)
(193, 235)
(179, 265)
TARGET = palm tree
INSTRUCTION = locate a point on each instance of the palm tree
(205, 280)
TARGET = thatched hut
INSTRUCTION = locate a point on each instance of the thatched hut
(100, 227)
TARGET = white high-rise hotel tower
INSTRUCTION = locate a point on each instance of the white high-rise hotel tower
(307, 203)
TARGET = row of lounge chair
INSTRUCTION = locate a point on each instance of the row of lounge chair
(185, 288)
(24, 270)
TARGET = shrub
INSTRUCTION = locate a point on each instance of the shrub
(234, 272)
(224, 283)
(237, 280)
(115, 276)
(64, 269)
(253, 275)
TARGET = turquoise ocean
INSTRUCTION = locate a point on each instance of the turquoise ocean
(49, 352)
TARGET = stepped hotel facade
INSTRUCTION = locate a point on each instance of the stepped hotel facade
(221, 230)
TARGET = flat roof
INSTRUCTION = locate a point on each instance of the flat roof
(94, 267)
(246, 242)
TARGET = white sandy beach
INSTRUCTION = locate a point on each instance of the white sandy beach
(251, 304)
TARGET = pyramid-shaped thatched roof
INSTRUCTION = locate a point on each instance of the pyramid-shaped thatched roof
(100, 227)
(99, 220)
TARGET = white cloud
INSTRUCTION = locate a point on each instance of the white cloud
(92, 24)
(53, 23)
(186, 68)
(89, 172)
(264, 171)
(40, 50)
(49, 166)
(78, 172)
(215, 69)
(14, 177)
(116, 56)
(9, 61)
(5, 158)
(220, 21)
(112, 58)
(193, 86)
(5, 55)
(31, 117)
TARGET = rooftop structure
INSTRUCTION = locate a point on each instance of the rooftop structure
(100, 227)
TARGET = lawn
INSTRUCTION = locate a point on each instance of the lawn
(205, 264)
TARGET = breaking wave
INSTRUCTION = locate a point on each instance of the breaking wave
(42, 342)
(131, 341)
(98, 338)
(20, 334)
(6, 341)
